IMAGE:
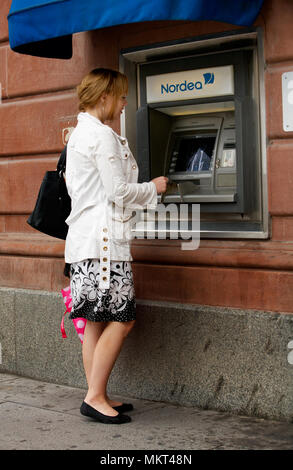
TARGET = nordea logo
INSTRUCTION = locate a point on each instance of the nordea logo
(208, 79)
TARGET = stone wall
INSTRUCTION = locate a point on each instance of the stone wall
(211, 357)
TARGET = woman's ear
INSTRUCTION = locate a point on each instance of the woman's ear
(103, 97)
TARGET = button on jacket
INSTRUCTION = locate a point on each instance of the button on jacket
(101, 179)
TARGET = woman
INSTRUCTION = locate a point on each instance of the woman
(101, 178)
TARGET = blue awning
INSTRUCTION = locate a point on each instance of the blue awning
(45, 27)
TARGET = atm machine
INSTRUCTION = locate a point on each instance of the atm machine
(197, 123)
(199, 155)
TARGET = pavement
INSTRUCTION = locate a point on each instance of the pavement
(36, 415)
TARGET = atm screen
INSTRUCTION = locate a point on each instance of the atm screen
(195, 153)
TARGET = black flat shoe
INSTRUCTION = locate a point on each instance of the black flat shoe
(87, 410)
(124, 407)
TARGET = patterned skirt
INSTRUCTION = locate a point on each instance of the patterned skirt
(89, 301)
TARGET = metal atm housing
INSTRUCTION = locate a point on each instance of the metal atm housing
(198, 123)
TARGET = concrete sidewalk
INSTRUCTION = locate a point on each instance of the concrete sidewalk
(38, 415)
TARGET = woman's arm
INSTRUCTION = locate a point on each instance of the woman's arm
(118, 190)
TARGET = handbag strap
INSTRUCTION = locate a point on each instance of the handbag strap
(61, 165)
(62, 325)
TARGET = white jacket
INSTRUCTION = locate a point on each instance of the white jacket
(101, 179)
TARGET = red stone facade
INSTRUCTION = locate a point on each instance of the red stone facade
(38, 101)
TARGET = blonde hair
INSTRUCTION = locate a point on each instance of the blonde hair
(100, 81)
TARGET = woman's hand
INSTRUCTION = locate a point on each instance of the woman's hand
(161, 184)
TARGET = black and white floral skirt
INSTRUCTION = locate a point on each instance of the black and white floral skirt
(89, 301)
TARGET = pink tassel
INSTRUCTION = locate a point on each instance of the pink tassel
(79, 323)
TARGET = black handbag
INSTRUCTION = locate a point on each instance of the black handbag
(53, 204)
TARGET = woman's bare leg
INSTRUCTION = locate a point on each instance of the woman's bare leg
(106, 351)
(92, 333)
